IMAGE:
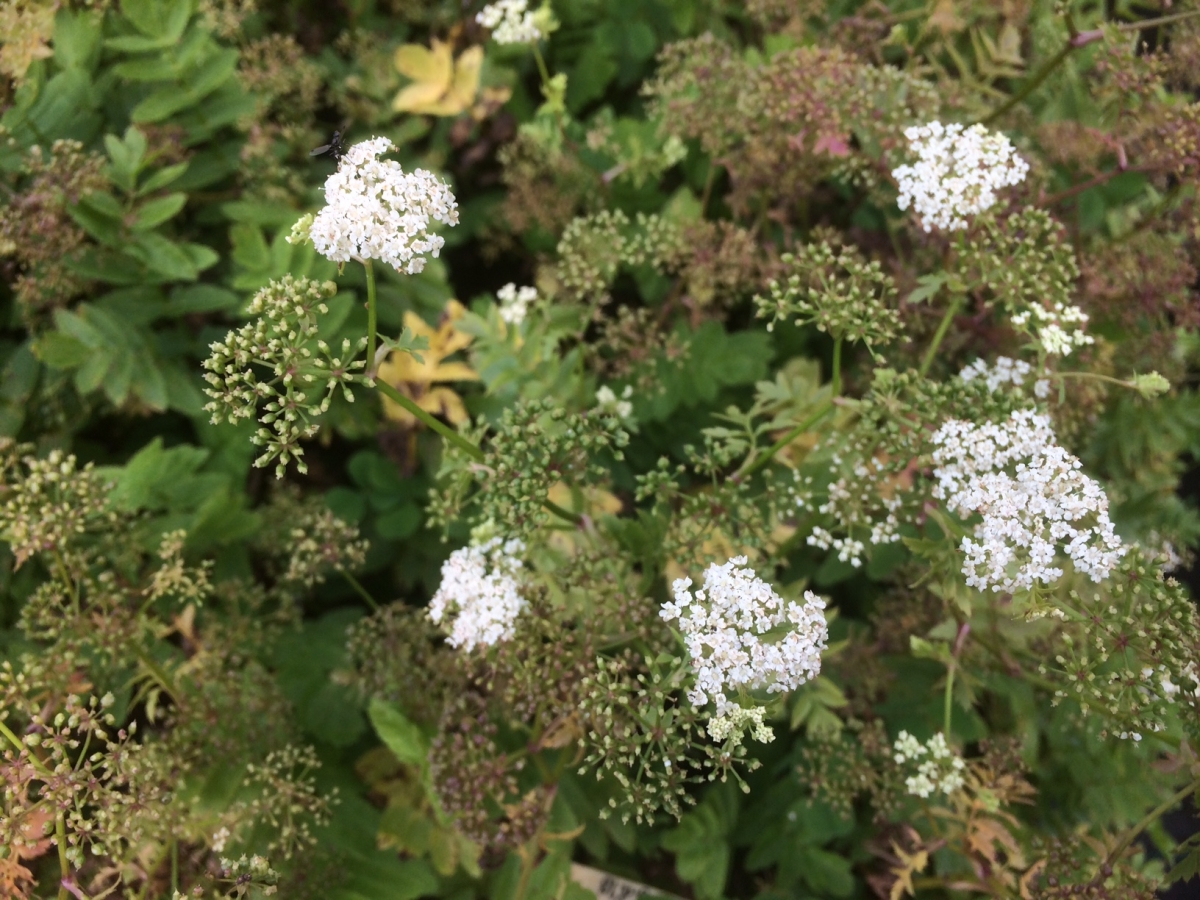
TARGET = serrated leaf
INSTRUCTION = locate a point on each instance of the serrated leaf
(161, 209)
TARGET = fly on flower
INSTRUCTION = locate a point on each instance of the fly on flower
(334, 148)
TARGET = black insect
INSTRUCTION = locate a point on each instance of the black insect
(334, 148)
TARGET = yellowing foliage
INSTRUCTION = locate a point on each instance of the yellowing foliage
(423, 381)
(441, 85)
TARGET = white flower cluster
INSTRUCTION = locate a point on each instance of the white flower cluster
(1005, 372)
(510, 22)
(736, 721)
(724, 626)
(957, 173)
(1033, 499)
(1059, 330)
(848, 549)
(940, 771)
(855, 502)
(607, 401)
(479, 584)
(376, 210)
(514, 302)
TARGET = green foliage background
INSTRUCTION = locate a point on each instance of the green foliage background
(112, 295)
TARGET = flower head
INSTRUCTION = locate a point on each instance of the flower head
(608, 401)
(479, 585)
(940, 771)
(957, 173)
(514, 302)
(1033, 499)
(376, 210)
(510, 22)
(730, 628)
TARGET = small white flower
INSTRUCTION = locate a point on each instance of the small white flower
(1059, 328)
(376, 210)
(480, 588)
(514, 302)
(942, 771)
(510, 22)
(219, 839)
(957, 173)
(736, 721)
(1005, 372)
(606, 401)
(725, 627)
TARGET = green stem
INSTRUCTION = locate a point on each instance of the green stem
(459, 441)
(836, 379)
(175, 866)
(371, 317)
(952, 310)
(528, 858)
(1032, 84)
(160, 675)
(362, 591)
(1154, 23)
(64, 868)
(542, 70)
(435, 424)
(948, 700)
(569, 516)
(1074, 42)
(814, 417)
(1095, 376)
(1131, 835)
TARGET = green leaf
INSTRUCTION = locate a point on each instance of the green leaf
(149, 68)
(125, 156)
(400, 523)
(61, 351)
(333, 716)
(77, 39)
(163, 256)
(148, 479)
(213, 73)
(63, 107)
(160, 105)
(162, 178)
(162, 19)
(158, 210)
(199, 298)
(928, 287)
(398, 733)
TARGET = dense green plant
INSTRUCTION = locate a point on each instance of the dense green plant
(789, 509)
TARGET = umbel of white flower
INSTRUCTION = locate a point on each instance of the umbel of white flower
(514, 302)
(741, 635)
(480, 593)
(938, 767)
(957, 173)
(1033, 498)
(510, 22)
(376, 210)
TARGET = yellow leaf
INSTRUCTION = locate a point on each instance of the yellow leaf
(426, 65)
(909, 866)
(442, 86)
(420, 381)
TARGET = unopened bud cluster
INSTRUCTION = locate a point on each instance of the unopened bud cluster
(277, 361)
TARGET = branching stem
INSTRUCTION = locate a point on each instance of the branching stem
(956, 305)
(360, 590)
(372, 315)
